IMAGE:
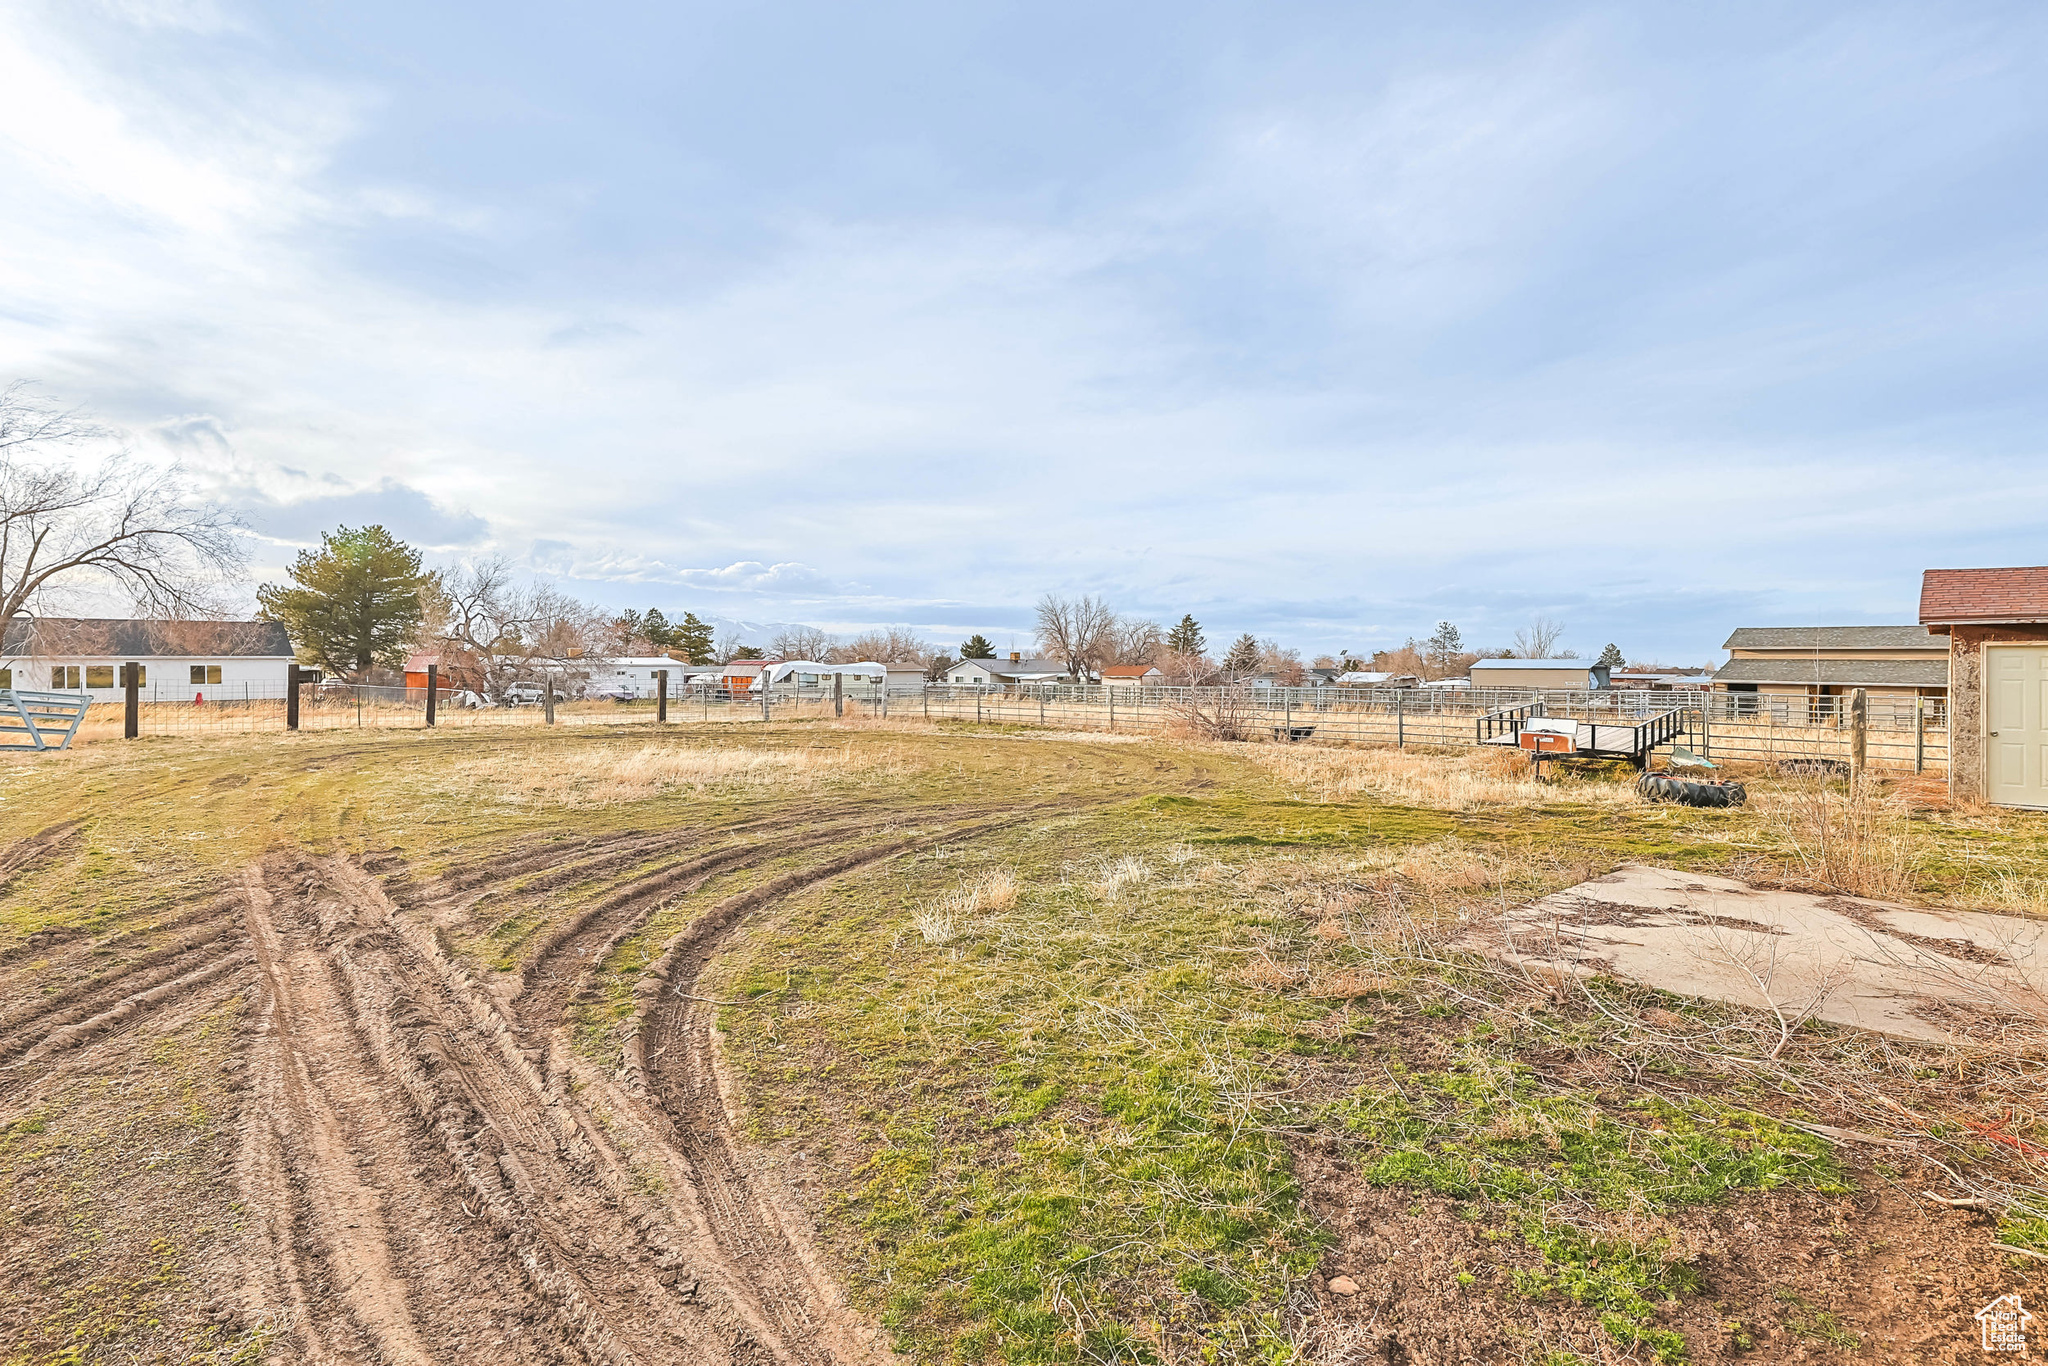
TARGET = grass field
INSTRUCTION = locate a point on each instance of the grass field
(821, 1042)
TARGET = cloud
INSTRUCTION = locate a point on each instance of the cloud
(405, 512)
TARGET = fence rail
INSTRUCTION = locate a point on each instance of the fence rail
(1908, 736)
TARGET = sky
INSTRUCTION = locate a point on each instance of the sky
(1321, 321)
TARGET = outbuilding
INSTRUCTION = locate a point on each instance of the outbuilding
(1996, 621)
(1573, 675)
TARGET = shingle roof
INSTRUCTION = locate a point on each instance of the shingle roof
(1128, 670)
(135, 638)
(1841, 673)
(1965, 595)
(1834, 638)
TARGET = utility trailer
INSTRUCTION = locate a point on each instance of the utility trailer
(1544, 737)
(40, 720)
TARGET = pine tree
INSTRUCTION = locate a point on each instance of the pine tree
(1243, 657)
(1443, 648)
(358, 601)
(1186, 638)
(977, 647)
(1610, 658)
(693, 638)
(655, 627)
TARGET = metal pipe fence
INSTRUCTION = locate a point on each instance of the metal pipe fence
(1907, 735)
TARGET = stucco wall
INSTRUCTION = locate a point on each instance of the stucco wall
(1966, 778)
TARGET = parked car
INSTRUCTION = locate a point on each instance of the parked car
(524, 695)
(617, 695)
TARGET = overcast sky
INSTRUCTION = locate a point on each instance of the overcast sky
(1319, 321)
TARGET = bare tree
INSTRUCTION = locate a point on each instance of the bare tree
(896, 645)
(1133, 640)
(1283, 664)
(801, 642)
(119, 526)
(1538, 639)
(495, 631)
(1075, 631)
(1186, 670)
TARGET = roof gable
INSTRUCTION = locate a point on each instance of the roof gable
(1949, 596)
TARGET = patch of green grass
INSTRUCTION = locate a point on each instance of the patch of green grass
(1486, 1130)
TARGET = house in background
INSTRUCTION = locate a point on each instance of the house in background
(1574, 675)
(181, 660)
(1994, 625)
(1368, 678)
(1007, 673)
(1132, 675)
(1891, 663)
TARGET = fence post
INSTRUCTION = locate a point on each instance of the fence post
(838, 695)
(764, 702)
(1706, 727)
(1919, 734)
(547, 703)
(433, 684)
(661, 694)
(291, 697)
(131, 708)
(977, 706)
(1400, 721)
(1111, 695)
(1859, 724)
(927, 701)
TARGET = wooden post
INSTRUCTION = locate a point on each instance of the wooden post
(433, 686)
(1859, 726)
(1110, 693)
(547, 702)
(291, 697)
(839, 694)
(764, 699)
(1400, 721)
(131, 714)
(661, 694)
(1919, 734)
(1706, 727)
(977, 706)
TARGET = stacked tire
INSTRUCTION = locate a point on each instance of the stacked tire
(1662, 787)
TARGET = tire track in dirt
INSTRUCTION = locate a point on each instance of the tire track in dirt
(671, 1062)
(26, 1029)
(367, 1245)
(45, 844)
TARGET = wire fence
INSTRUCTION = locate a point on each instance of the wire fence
(1908, 734)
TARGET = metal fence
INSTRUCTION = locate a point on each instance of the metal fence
(1909, 735)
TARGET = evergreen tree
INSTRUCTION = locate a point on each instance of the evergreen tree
(1443, 648)
(629, 626)
(1243, 657)
(357, 601)
(1611, 656)
(693, 638)
(655, 627)
(977, 647)
(1186, 638)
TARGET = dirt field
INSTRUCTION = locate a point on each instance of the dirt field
(844, 1044)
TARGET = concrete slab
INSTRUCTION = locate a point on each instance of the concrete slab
(1939, 976)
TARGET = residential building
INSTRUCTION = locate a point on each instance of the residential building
(1573, 675)
(1994, 625)
(1007, 673)
(180, 660)
(1372, 678)
(1891, 663)
(1132, 675)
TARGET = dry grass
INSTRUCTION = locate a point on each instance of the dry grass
(602, 776)
(1493, 776)
(1844, 836)
(947, 918)
(1113, 876)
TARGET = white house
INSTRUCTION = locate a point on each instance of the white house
(1006, 673)
(185, 661)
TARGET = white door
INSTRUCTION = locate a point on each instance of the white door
(2016, 724)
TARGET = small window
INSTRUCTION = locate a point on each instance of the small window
(99, 675)
(64, 676)
(141, 675)
(6, 678)
(206, 673)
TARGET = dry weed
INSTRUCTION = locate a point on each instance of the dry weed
(1847, 837)
(599, 776)
(1493, 776)
(1113, 876)
(944, 920)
